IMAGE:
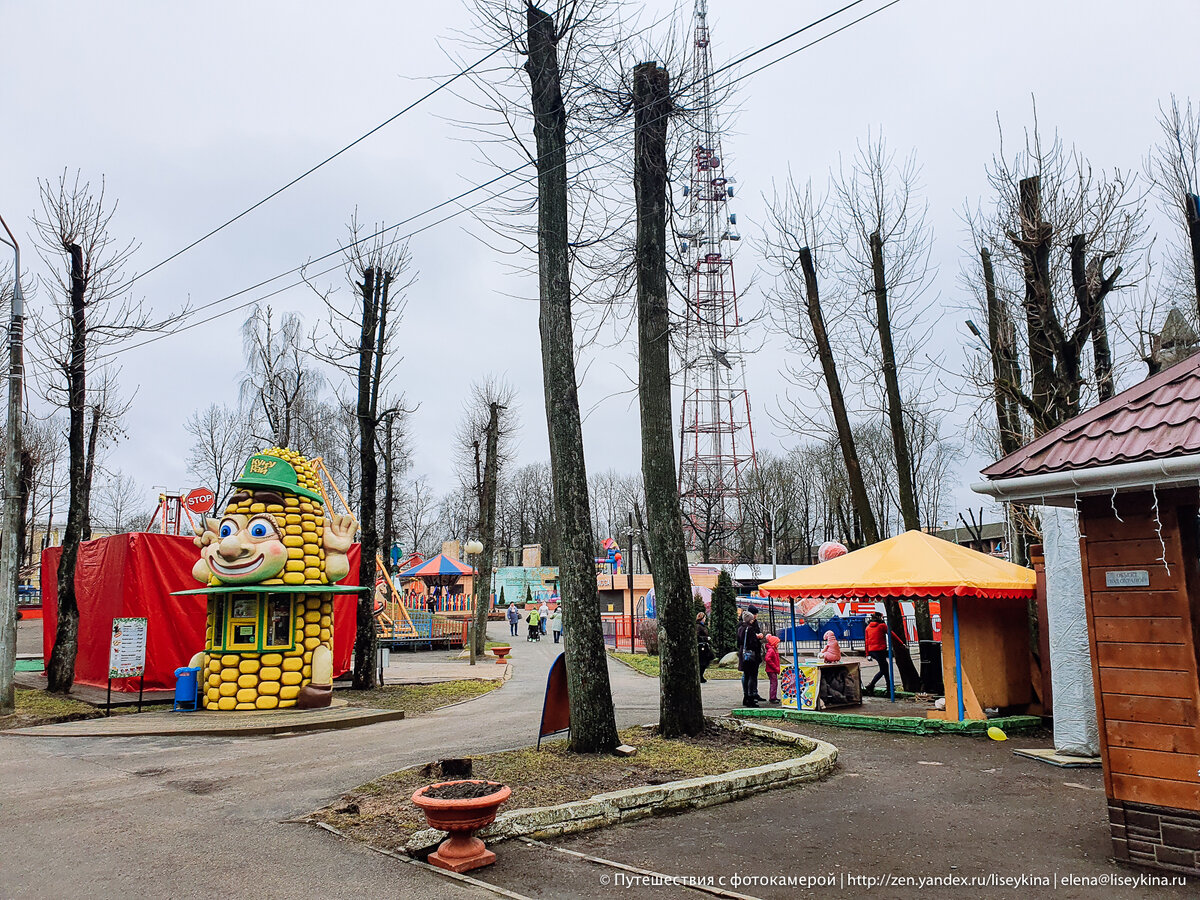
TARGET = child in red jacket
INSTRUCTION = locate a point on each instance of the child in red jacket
(771, 665)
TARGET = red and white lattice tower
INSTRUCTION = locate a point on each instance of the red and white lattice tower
(716, 442)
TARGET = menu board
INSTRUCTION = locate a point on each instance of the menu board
(127, 652)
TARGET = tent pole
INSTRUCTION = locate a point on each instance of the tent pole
(958, 685)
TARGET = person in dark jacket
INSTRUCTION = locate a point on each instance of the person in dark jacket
(875, 640)
(703, 645)
(750, 654)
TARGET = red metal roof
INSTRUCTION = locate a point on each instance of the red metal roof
(1156, 419)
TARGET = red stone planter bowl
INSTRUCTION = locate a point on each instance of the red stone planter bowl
(462, 851)
(501, 653)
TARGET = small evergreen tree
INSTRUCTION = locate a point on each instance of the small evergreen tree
(698, 604)
(500, 601)
(528, 595)
(723, 627)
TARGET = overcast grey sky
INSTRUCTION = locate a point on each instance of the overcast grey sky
(191, 112)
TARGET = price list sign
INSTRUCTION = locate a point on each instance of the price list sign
(127, 653)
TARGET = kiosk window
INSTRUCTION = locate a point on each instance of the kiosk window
(279, 622)
(243, 624)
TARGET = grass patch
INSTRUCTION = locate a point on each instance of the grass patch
(415, 699)
(382, 813)
(650, 665)
(42, 708)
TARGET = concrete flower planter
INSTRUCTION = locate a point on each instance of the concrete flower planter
(461, 851)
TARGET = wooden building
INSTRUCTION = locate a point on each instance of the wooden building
(1131, 467)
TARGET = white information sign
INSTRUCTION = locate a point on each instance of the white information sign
(127, 653)
(1128, 578)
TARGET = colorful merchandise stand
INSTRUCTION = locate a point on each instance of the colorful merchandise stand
(821, 685)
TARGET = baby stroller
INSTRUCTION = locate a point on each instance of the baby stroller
(535, 630)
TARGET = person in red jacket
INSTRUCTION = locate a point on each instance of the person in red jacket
(876, 646)
(771, 666)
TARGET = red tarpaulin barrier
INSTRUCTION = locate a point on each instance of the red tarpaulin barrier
(133, 575)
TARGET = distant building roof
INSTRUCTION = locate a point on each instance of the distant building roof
(1157, 419)
(753, 572)
(989, 531)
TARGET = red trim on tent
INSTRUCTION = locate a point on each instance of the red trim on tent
(959, 590)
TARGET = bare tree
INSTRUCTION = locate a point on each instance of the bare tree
(122, 503)
(485, 448)
(795, 223)
(89, 312)
(221, 443)
(1061, 238)
(1174, 168)
(885, 241)
(680, 708)
(280, 384)
(360, 342)
(416, 516)
(593, 722)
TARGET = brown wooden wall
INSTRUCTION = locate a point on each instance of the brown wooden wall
(1144, 644)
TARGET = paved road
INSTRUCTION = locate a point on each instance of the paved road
(190, 817)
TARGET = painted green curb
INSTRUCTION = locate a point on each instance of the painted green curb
(905, 724)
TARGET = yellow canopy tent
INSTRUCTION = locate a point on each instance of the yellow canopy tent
(990, 641)
(913, 564)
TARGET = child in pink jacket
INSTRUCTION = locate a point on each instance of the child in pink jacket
(771, 665)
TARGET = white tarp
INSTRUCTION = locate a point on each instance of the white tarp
(1075, 730)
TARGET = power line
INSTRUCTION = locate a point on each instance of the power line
(464, 194)
(358, 140)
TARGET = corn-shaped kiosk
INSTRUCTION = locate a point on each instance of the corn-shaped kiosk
(270, 564)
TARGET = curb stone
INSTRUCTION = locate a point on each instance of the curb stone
(817, 760)
(906, 724)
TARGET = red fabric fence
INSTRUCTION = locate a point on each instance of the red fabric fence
(133, 575)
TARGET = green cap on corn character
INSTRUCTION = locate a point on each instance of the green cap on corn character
(270, 644)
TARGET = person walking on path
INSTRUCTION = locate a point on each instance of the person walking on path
(749, 650)
(513, 618)
(703, 645)
(535, 631)
(771, 666)
(544, 615)
(876, 645)
(556, 623)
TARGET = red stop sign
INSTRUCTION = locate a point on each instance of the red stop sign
(199, 500)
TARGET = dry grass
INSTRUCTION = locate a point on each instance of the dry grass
(381, 812)
(650, 665)
(42, 708)
(415, 699)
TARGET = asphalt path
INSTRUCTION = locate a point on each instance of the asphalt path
(191, 817)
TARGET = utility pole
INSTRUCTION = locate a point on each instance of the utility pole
(10, 560)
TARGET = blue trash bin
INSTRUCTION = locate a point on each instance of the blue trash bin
(187, 687)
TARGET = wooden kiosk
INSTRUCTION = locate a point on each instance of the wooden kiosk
(1131, 467)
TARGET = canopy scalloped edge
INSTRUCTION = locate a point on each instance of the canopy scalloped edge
(878, 591)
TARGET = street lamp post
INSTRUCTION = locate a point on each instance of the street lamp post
(9, 552)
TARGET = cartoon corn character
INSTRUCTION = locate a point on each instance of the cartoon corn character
(269, 564)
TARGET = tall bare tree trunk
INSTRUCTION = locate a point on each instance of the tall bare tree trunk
(487, 522)
(837, 401)
(60, 670)
(1006, 374)
(891, 382)
(1034, 246)
(1191, 216)
(680, 706)
(593, 721)
(365, 639)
